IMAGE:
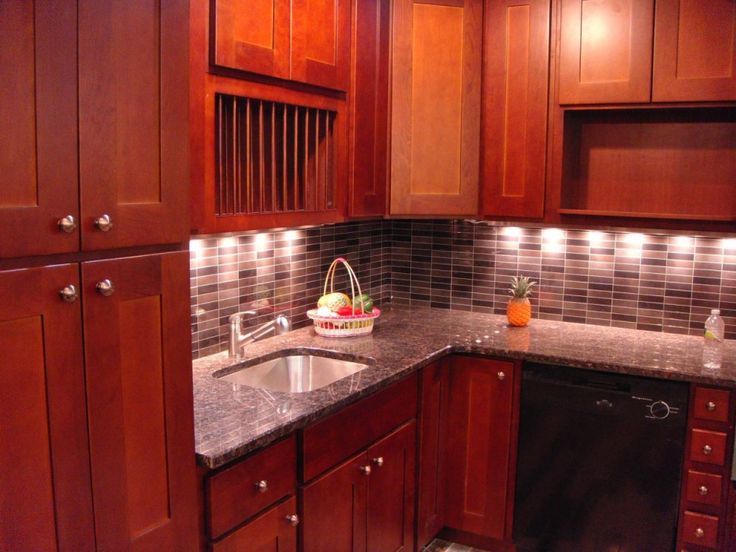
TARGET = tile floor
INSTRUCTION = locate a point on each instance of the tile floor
(438, 545)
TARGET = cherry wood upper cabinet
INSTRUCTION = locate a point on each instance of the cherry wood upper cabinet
(479, 442)
(369, 108)
(252, 36)
(435, 116)
(38, 116)
(44, 471)
(139, 392)
(694, 51)
(515, 82)
(133, 122)
(605, 51)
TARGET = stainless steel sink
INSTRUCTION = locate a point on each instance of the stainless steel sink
(294, 373)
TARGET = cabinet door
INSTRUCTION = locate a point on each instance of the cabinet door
(38, 116)
(432, 453)
(334, 509)
(271, 531)
(139, 390)
(605, 51)
(252, 36)
(320, 42)
(694, 51)
(46, 499)
(369, 108)
(479, 445)
(435, 113)
(133, 122)
(391, 492)
(515, 80)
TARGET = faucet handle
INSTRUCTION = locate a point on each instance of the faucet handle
(238, 316)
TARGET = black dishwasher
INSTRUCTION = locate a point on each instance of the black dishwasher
(599, 461)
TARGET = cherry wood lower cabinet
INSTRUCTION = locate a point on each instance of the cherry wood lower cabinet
(366, 503)
(272, 531)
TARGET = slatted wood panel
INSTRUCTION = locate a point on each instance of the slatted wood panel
(272, 157)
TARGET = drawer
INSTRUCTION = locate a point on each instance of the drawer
(711, 404)
(704, 488)
(234, 495)
(333, 439)
(277, 525)
(700, 529)
(708, 447)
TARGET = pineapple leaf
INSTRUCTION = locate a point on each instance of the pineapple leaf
(521, 287)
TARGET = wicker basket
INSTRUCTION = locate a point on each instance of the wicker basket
(343, 326)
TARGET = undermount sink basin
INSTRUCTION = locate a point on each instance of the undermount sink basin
(294, 373)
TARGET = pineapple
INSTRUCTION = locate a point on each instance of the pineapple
(519, 309)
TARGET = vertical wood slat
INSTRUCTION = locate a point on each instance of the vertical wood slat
(273, 158)
(295, 181)
(305, 169)
(249, 159)
(261, 160)
(237, 165)
(317, 172)
(285, 174)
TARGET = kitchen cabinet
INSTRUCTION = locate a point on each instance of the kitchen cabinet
(303, 41)
(435, 107)
(95, 126)
(369, 108)
(515, 82)
(272, 531)
(366, 503)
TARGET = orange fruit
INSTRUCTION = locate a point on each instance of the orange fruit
(519, 312)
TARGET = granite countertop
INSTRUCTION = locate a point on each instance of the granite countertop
(232, 420)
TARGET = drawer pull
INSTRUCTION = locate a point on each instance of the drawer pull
(707, 450)
(293, 519)
(710, 406)
(501, 376)
(69, 293)
(68, 224)
(699, 533)
(378, 461)
(702, 490)
(365, 469)
(262, 486)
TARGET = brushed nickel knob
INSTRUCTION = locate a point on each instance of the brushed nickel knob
(501, 376)
(702, 490)
(69, 293)
(699, 533)
(105, 287)
(707, 449)
(378, 461)
(262, 486)
(104, 223)
(366, 470)
(293, 520)
(710, 406)
(68, 224)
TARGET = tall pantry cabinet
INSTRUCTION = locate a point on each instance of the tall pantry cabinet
(96, 415)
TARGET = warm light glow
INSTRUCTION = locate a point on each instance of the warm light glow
(291, 235)
(636, 240)
(595, 29)
(729, 244)
(553, 240)
(227, 242)
(595, 238)
(260, 242)
(511, 231)
(683, 243)
(195, 249)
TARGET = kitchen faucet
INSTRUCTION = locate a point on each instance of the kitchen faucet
(238, 340)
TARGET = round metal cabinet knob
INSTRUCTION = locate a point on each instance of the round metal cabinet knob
(699, 533)
(262, 486)
(293, 520)
(105, 287)
(710, 406)
(707, 449)
(366, 470)
(68, 224)
(378, 461)
(501, 376)
(702, 490)
(69, 293)
(104, 223)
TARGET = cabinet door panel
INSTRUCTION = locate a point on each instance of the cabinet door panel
(38, 116)
(334, 509)
(133, 121)
(320, 42)
(435, 114)
(46, 500)
(515, 107)
(606, 51)
(694, 51)
(391, 492)
(269, 532)
(140, 402)
(478, 445)
(252, 36)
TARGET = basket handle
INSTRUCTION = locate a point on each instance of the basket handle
(353, 281)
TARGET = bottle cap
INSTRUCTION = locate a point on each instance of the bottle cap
(715, 311)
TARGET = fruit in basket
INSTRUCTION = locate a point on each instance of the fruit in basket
(334, 301)
(349, 311)
(325, 311)
(365, 302)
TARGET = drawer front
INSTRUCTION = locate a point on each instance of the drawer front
(711, 404)
(353, 428)
(273, 530)
(704, 488)
(700, 529)
(708, 447)
(243, 490)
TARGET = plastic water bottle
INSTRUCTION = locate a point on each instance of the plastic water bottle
(713, 340)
